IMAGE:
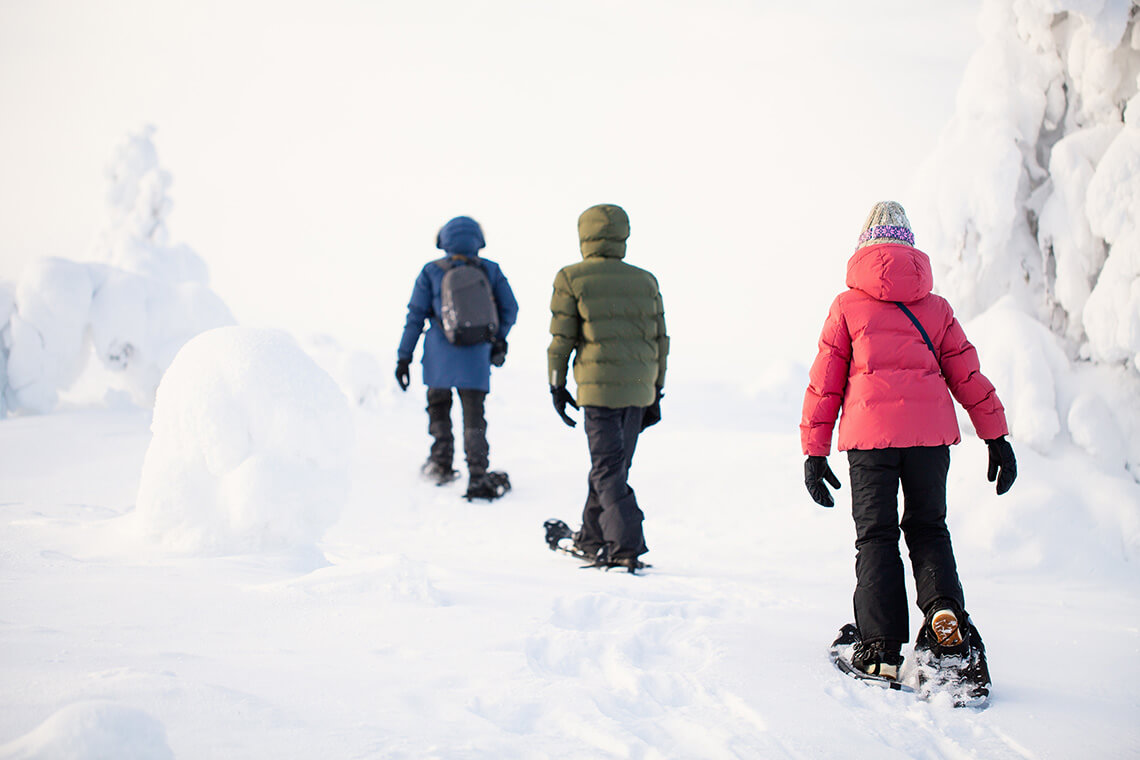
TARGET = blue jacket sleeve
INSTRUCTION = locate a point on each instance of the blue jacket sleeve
(419, 309)
(505, 300)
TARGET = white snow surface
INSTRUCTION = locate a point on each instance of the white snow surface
(246, 563)
(435, 628)
(93, 731)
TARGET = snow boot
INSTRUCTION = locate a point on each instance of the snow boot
(438, 473)
(877, 658)
(487, 485)
(951, 657)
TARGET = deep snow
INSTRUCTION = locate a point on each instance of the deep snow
(435, 628)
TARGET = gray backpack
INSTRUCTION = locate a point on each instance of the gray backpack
(469, 313)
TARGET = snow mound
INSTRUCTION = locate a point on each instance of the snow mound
(93, 731)
(250, 450)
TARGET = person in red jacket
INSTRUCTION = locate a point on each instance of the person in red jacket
(891, 354)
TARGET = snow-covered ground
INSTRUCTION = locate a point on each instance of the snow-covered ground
(435, 628)
(253, 568)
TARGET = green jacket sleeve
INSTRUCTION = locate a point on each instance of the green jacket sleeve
(565, 328)
(662, 342)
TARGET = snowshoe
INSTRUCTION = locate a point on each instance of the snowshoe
(437, 473)
(559, 538)
(951, 659)
(489, 486)
(842, 654)
(630, 564)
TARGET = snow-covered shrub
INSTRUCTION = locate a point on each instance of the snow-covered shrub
(250, 450)
(135, 237)
(48, 331)
(134, 307)
(1032, 197)
(138, 323)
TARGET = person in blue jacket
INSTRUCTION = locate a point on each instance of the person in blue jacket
(447, 366)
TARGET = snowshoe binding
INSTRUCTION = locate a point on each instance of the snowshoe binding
(489, 486)
(870, 662)
(603, 561)
(560, 538)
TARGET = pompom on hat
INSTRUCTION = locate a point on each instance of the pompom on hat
(887, 223)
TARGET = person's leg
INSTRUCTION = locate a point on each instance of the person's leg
(612, 437)
(924, 471)
(474, 431)
(880, 590)
(439, 426)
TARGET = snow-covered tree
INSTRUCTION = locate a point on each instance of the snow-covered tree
(134, 306)
(1032, 199)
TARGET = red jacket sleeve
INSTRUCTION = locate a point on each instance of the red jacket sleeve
(827, 382)
(976, 394)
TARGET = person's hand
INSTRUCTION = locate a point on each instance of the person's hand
(816, 471)
(404, 373)
(653, 411)
(1003, 465)
(561, 398)
(498, 352)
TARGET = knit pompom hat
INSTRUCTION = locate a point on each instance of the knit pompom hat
(887, 223)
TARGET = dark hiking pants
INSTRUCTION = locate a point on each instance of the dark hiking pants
(474, 428)
(880, 590)
(611, 516)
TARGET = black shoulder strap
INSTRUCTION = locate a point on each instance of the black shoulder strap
(925, 337)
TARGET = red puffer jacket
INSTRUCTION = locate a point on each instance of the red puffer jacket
(874, 363)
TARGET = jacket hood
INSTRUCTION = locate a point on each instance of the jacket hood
(462, 235)
(891, 272)
(602, 231)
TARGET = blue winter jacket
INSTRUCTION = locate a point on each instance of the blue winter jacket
(445, 365)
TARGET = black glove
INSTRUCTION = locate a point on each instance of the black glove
(652, 412)
(562, 397)
(403, 373)
(1003, 466)
(498, 352)
(816, 470)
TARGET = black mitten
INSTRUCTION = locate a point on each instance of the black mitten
(561, 398)
(498, 352)
(653, 411)
(1003, 465)
(404, 373)
(816, 471)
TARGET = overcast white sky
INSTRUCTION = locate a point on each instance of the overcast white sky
(316, 148)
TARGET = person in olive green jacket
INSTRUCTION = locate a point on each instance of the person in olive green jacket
(610, 315)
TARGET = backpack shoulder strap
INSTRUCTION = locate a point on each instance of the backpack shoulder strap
(921, 329)
(444, 263)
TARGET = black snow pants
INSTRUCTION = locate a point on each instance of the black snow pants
(611, 516)
(474, 428)
(880, 590)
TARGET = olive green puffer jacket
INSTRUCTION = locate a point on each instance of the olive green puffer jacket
(610, 315)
